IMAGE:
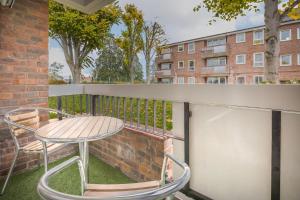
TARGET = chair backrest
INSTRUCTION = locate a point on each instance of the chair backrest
(22, 120)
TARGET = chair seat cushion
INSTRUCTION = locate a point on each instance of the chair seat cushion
(37, 146)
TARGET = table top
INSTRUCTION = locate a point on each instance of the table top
(79, 129)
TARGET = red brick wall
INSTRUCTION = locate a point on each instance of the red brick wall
(137, 155)
(24, 71)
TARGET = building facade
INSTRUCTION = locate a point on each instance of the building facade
(235, 58)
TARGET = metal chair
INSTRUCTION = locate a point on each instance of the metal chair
(27, 120)
(133, 191)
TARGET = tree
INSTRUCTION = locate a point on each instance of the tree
(153, 37)
(110, 66)
(275, 12)
(55, 71)
(79, 34)
(130, 41)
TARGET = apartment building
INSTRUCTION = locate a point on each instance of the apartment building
(234, 57)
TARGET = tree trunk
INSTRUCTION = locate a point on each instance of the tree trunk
(75, 70)
(131, 64)
(272, 23)
(148, 71)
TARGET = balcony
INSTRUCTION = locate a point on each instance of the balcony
(214, 70)
(163, 73)
(164, 58)
(216, 51)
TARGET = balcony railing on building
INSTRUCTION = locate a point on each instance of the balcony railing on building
(163, 73)
(167, 57)
(214, 51)
(215, 70)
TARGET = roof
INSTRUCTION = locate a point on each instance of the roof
(229, 33)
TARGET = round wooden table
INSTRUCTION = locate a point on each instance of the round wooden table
(79, 130)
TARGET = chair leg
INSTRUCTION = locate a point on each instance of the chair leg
(10, 172)
(45, 156)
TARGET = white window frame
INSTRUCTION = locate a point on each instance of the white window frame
(180, 45)
(280, 34)
(236, 59)
(263, 61)
(298, 56)
(255, 77)
(181, 78)
(240, 76)
(236, 37)
(291, 58)
(191, 50)
(190, 66)
(298, 33)
(178, 66)
(191, 78)
(263, 37)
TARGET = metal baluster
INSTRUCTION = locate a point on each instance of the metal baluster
(91, 104)
(99, 103)
(59, 106)
(87, 104)
(108, 105)
(80, 104)
(138, 112)
(146, 114)
(154, 116)
(124, 107)
(66, 103)
(131, 111)
(164, 116)
(73, 101)
(103, 105)
(119, 102)
(113, 106)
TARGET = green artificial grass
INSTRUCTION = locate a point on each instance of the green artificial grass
(23, 186)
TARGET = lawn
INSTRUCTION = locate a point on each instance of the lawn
(23, 186)
(71, 104)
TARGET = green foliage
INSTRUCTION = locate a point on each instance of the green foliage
(79, 34)
(130, 41)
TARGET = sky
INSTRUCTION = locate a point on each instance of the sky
(177, 18)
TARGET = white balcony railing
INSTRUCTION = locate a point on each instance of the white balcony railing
(216, 49)
(165, 56)
(164, 72)
(214, 69)
(242, 128)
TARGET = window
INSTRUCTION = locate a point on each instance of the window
(298, 59)
(216, 42)
(285, 35)
(191, 65)
(212, 62)
(258, 79)
(180, 64)
(180, 47)
(285, 60)
(298, 33)
(240, 37)
(240, 59)
(240, 80)
(191, 80)
(258, 59)
(216, 80)
(258, 37)
(191, 47)
(180, 80)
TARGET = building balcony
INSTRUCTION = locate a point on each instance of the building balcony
(215, 70)
(163, 73)
(216, 51)
(164, 58)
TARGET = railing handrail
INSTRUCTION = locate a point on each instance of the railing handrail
(271, 97)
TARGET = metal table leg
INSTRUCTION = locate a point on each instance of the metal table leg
(84, 155)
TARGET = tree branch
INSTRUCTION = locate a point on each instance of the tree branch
(289, 9)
